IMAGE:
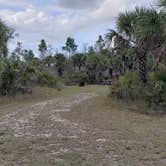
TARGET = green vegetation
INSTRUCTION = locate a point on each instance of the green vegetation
(129, 88)
(136, 64)
(143, 29)
(55, 109)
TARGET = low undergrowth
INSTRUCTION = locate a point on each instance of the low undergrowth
(129, 89)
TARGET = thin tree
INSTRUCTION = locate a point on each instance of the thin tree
(43, 49)
(100, 44)
(70, 46)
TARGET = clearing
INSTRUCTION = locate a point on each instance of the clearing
(79, 127)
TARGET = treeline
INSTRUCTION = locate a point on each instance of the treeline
(22, 69)
(133, 58)
(89, 67)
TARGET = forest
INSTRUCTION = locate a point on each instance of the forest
(131, 59)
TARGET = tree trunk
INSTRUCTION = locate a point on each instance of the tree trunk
(111, 72)
(79, 66)
(143, 61)
(60, 73)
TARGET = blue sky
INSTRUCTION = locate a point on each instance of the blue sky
(55, 20)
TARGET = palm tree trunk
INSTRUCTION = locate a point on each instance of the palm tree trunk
(143, 61)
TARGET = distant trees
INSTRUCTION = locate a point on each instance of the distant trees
(49, 61)
(139, 46)
(60, 64)
(79, 60)
(43, 49)
(100, 44)
(28, 56)
(70, 46)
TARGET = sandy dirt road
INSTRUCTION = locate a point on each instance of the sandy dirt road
(50, 133)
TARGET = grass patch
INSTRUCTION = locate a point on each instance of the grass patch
(135, 136)
(45, 93)
(73, 158)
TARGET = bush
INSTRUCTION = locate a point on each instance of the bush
(7, 77)
(128, 87)
(14, 75)
(77, 78)
(47, 79)
(156, 89)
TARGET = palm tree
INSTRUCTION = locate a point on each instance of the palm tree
(162, 3)
(118, 40)
(150, 33)
(145, 28)
(120, 45)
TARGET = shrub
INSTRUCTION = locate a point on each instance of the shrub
(47, 79)
(156, 89)
(14, 75)
(127, 87)
(7, 77)
(158, 76)
(77, 78)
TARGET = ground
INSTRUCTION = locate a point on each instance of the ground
(79, 127)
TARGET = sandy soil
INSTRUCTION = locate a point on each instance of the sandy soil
(73, 130)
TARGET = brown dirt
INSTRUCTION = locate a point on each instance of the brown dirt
(80, 129)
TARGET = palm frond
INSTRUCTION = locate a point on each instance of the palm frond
(162, 3)
(125, 23)
(149, 25)
(111, 34)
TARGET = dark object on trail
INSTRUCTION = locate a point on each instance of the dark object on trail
(106, 82)
(118, 95)
(25, 90)
(82, 84)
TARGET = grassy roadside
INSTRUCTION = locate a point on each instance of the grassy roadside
(42, 93)
(136, 137)
(45, 93)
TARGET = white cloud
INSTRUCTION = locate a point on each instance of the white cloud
(35, 23)
(78, 4)
(15, 3)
